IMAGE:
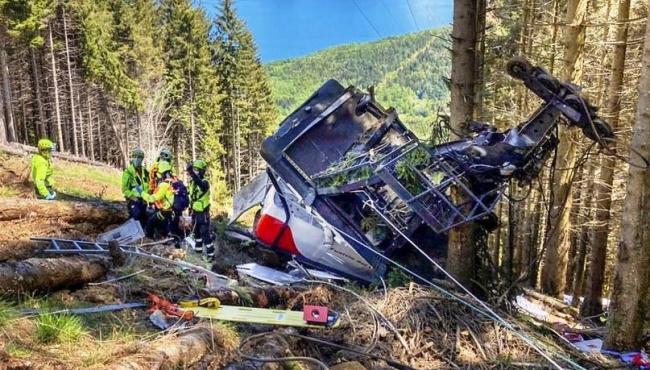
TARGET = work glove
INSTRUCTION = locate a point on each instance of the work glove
(50, 196)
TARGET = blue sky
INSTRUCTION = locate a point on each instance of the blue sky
(290, 28)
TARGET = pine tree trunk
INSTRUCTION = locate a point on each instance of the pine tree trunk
(508, 258)
(582, 240)
(534, 241)
(554, 32)
(57, 111)
(103, 102)
(558, 230)
(192, 128)
(91, 138)
(575, 231)
(592, 304)
(460, 254)
(3, 129)
(73, 116)
(629, 300)
(36, 80)
(6, 92)
(81, 126)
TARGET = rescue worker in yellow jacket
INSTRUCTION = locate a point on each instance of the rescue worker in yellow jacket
(199, 192)
(134, 183)
(163, 200)
(165, 156)
(42, 170)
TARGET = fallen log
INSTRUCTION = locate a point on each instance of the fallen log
(22, 150)
(71, 212)
(182, 351)
(552, 302)
(43, 274)
(18, 249)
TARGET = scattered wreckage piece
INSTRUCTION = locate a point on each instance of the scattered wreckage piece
(307, 318)
(210, 308)
(349, 188)
(86, 310)
(267, 274)
(127, 233)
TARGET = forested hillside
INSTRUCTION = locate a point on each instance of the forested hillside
(101, 78)
(408, 72)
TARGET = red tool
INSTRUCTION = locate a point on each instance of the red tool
(315, 314)
(168, 308)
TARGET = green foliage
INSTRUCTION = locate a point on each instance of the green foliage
(8, 312)
(246, 105)
(396, 278)
(26, 19)
(56, 328)
(406, 169)
(408, 72)
(102, 54)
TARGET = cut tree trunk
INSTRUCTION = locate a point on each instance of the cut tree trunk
(592, 304)
(46, 274)
(18, 249)
(628, 307)
(558, 230)
(70, 212)
(173, 352)
(22, 150)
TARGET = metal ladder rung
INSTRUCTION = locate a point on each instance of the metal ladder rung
(55, 245)
(76, 245)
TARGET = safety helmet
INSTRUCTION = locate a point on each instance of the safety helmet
(165, 154)
(163, 166)
(200, 164)
(137, 153)
(45, 144)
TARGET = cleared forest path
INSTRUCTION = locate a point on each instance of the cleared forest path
(390, 76)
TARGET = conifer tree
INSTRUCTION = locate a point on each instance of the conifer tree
(246, 105)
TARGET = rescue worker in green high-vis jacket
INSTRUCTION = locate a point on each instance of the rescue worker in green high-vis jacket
(135, 181)
(42, 170)
(199, 191)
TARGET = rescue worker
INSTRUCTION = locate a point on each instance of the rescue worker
(199, 191)
(163, 199)
(42, 170)
(134, 183)
(164, 156)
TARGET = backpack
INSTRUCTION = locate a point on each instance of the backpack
(181, 197)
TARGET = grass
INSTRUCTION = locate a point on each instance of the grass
(98, 182)
(18, 350)
(56, 328)
(74, 179)
(6, 191)
(8, 312)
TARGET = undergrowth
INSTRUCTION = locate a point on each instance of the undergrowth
(8, 312)
(57, 328)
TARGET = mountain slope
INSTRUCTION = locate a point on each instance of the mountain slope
(408, 73)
